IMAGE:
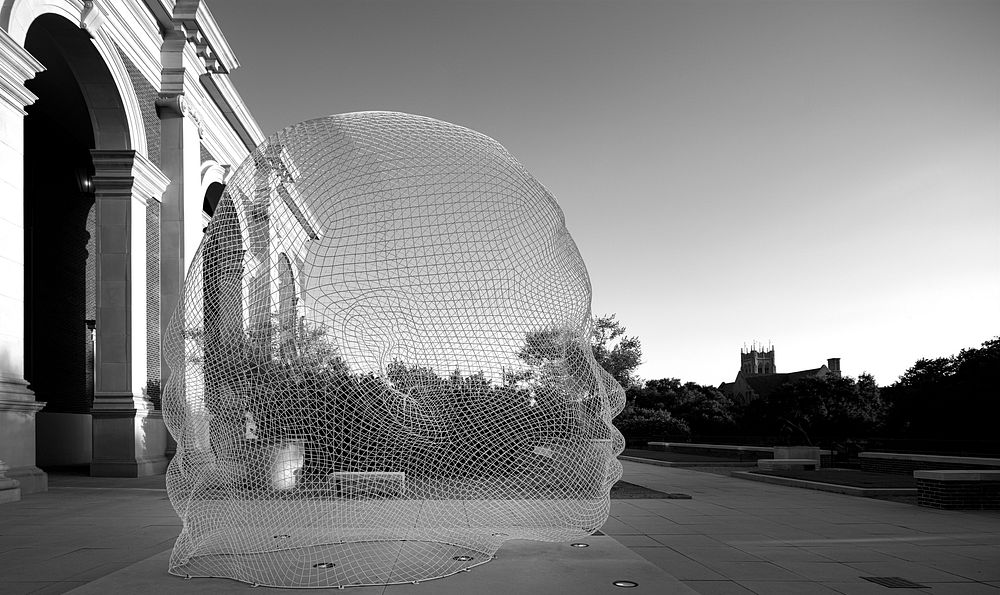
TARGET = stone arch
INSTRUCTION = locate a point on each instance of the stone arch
(114, 111)
(213, 182)
(17, 17)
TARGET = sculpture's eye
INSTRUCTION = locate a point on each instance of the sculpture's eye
(380, 366)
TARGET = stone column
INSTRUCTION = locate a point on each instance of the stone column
(17, 402)
(129, 436)
(180, 214)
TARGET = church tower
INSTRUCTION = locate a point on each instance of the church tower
(757, 362)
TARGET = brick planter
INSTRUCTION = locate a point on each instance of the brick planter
(958, 489)
(891, 462)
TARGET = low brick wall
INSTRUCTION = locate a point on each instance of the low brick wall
(905, 464)
(958, 490)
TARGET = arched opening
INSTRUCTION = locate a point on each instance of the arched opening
(212, 196)
(74, 114)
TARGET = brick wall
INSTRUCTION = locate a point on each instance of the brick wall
(904, 467)
(959, 495)
(146, 94)
(153, 302)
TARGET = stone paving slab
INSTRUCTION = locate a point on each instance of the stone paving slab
(736, 536)
(520, 567)
(733, 536)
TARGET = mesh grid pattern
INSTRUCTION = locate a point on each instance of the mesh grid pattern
(380, 363)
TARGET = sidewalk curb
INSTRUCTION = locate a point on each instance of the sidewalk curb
(683, 464)
(826, 487)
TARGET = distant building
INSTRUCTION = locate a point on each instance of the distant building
(758, 377)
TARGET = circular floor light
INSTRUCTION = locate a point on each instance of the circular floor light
(625, 584)
(462, 558)
(324, 565)
(579, 545)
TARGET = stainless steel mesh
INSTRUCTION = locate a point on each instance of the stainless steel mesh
(380, 366)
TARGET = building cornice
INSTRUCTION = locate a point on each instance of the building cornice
(16, 66)
(194, 20)
(220, 47)
(225, 95)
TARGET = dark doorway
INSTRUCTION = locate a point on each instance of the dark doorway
(59, 223)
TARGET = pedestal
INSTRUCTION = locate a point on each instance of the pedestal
(17, 436)
(130, 439)
(10, 489)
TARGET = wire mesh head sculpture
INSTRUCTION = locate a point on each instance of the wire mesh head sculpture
(381, 365)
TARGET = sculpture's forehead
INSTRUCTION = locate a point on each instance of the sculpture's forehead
(400, 163)
(385, 177)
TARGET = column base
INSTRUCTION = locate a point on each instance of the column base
(31, 478)
(17, 436)
(130, 438)
(139, 467)
(10, 490)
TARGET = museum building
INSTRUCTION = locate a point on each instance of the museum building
(759, 377)
(118, 128)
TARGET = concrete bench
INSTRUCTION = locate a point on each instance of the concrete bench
(366, 484)
(787, 464)
(958, 489)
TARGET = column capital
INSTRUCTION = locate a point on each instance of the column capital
(16, 66)
(126, 174)
(175, 106)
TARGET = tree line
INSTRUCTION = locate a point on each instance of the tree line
(943, 403)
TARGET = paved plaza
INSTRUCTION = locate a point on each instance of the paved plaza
(95, 535)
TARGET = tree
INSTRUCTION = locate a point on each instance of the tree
(616, 352)
(641, 424)
(556, 354)
(948, 398)
(927, 371)
(663, 393)
(828, 407)
(704, 408)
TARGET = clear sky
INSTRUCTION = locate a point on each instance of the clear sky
(823, 175)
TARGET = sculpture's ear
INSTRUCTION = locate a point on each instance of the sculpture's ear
(413, 416)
